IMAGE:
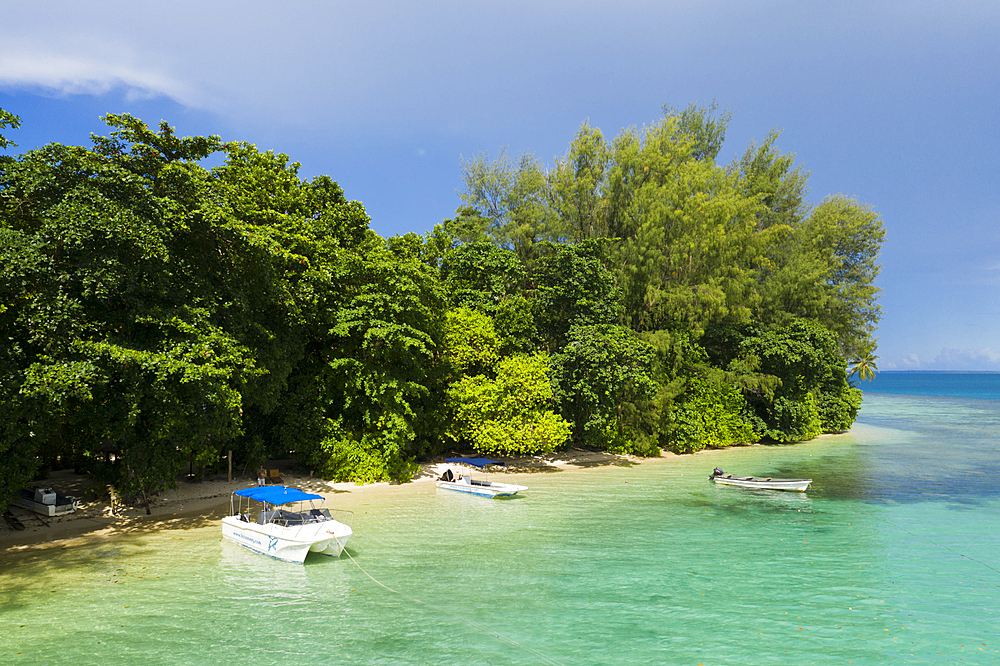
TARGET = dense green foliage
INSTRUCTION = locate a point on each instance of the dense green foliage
(509, 413)
(155, 313)
(8, 119)
(604, 375)
(751, 299)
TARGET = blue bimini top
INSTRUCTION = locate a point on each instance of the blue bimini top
(475, 462)
(276, 494)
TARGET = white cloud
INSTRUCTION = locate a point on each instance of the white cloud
(334, 64)
(908, 362)
(967, 359)
(947, 359)
(65, 74)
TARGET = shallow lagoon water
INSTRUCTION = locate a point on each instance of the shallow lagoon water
(893, 556)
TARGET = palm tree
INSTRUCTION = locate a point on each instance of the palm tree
(863, 364)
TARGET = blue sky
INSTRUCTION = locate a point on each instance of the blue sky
(894, 103)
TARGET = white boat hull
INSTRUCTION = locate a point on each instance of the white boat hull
(290, 544)
(66, 506)
(764, 483)
(482, 488)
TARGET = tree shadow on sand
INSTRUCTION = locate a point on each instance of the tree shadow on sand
(549, 463)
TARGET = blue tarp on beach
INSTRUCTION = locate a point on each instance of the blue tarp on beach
(475, 462)
(276, 494)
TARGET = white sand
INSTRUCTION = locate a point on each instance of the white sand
(194, 503)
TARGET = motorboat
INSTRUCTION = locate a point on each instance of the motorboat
(464, 483)
(765, 483)
(288, 525)
(45, 501)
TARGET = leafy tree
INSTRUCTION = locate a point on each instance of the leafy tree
(864, 363)
(573, 286)
(511, 414)
(813, 395)
(514, 319)
(826, 272)
(407, 246)
(700, 255)
(155, 312)
(513, 198)
(471, 342)
(378, 375)
(468, 226)
(838, 406)
(575, 188)
(159, 312)
(702, 127)
(480, 275)
(605, 387)
(710, 414)
(357, 321)
(108, 338)
(8, 119)
(689, 240)
(772, 176)
(700, 399)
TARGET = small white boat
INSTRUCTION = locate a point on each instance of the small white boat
(766, 483)
(290, 523)
(464, 483)
(45, 501)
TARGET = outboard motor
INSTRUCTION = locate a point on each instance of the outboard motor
(716, 472)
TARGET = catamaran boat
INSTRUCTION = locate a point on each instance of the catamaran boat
(288, 525)
(766, 483)
(464, 483)
(45, 501)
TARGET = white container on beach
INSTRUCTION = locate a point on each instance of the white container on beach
(45, 495)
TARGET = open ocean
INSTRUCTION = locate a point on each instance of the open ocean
(891, 557)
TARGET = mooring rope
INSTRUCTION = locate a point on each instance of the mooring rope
(937, 545)
(545, 659)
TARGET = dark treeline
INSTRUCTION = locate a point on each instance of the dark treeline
(637, 296)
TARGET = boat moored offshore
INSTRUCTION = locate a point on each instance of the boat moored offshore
(765, 483)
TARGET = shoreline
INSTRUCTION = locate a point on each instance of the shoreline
(200, 503)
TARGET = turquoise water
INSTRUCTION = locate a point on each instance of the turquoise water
(980, 385)
(893, 556)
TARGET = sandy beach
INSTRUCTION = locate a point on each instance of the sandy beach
(199, 503)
